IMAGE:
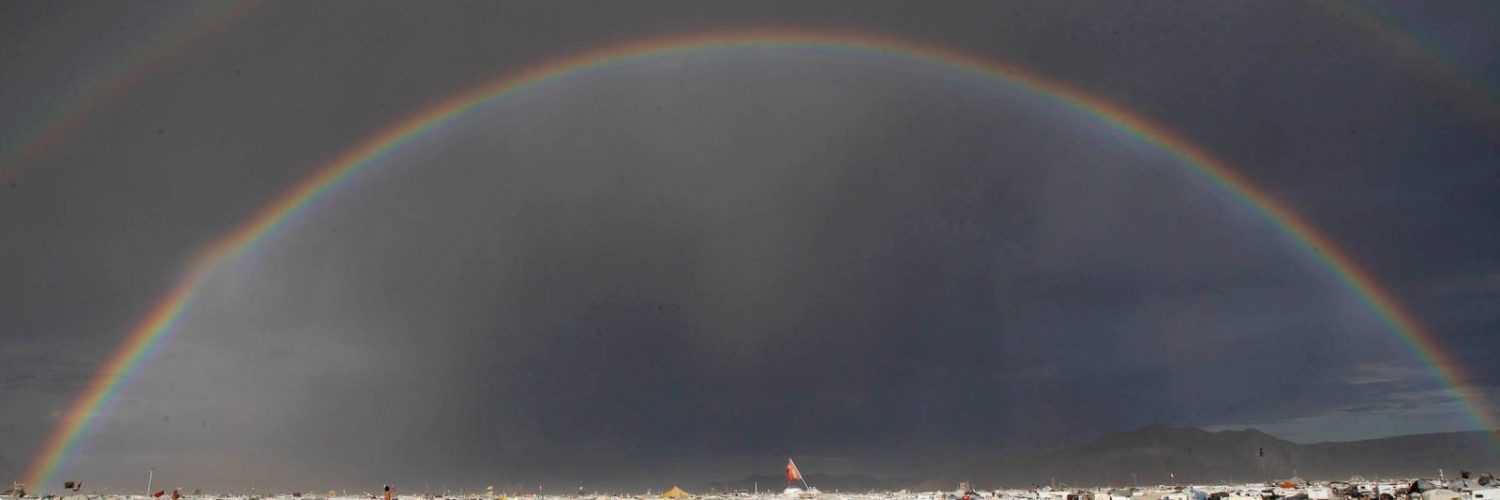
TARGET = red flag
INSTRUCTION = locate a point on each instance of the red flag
(792, 474)
(159, 493)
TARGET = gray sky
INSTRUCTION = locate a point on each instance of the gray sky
(690, 269)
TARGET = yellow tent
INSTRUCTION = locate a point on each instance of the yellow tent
(675, 492)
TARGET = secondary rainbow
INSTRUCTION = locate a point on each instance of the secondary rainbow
(159, 322)
(52, 126)
(1479, 101)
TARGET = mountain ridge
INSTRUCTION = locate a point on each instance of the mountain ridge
(1163, 454)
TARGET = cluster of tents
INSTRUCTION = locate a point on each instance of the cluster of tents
(1484, 487)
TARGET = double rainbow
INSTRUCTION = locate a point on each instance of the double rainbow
(164, 315)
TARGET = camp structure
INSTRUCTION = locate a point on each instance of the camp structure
(794, 476)
(675, 492)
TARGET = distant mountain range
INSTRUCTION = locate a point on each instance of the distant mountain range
(1160, 454)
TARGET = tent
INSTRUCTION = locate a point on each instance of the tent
(675, 492)
(1459, 484)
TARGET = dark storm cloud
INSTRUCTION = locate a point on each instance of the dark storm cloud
(685, 271)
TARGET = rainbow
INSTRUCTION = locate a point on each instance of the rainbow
(164, 315)
(48, 129)
(1480, 102)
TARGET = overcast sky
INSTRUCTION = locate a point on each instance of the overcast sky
(690, 269)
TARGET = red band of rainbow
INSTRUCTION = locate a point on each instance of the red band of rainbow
(153, 328)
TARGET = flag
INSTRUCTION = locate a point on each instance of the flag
(159, 493)
(792, 474)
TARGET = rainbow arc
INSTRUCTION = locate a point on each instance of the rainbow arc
(159, 322)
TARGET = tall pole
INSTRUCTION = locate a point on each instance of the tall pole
(1261, 459)
(150, 476)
